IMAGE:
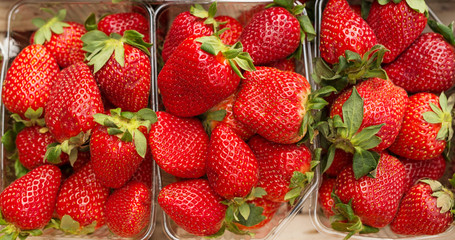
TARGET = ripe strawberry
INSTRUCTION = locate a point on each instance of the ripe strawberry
(424, 210)
(29, 202)
(426, 126)
(121, 22)
(29, 79)
(194, 206)
(118, 145)
(193, 80)
(73, 100)
(416, 169)
(357, 8)
(428, 65)
(144, 172)
(341, 30)
(269, 209)
(341, 160)
(283, 65)
(233, 29)
(82, 198)
(179, 145)
(63, 39)
(374, 200)
(277, 166)
(273, 103)
(232, 168)
(121, 67)
(223, 112)
(396, 24)
(325, 199)
(128, 209)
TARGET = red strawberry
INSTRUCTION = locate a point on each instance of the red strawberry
(416, 169)
(232, 168)
(121, 67)
(29, 79)
(283, 65)
(325, 199)
(341, 160)
(63, 39)
(396, 25)
(426, 126)
(357, 8)
(424, 210)
(119, 145)
(341, 30)
(234, 29)
(144, 172)
(29, 202)
(128, 209)
(194, 206)
(374, 200)
(269, 210)
(179, 145)
(82, 198)
(192, 81)
(273, 103)
(428, 65)
(121, 22)
(278, 164)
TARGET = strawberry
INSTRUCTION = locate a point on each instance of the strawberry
(179, 145)
(200, 74)
(194, 206)
(283, 65)
(29, 202)
(232, 31)
(121, 22)
(279, 166)
(269, 209)
(341, 160)
(396, 24)
(416, 169)
(426, 126)
(325, 199)
(341, 30)
(223, 112)
(68, 113)
(29, 79)
(428, 65)
(357, 8)
(82, 200)
(118, 145)
(424, 210)
(128, 86)
(374, 200)
(144, 172)
(31, 145)
(63, 39)
(232, 168)
(128, 209)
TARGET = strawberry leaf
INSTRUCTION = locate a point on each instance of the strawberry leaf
(244, 210)
(147, 114)
(366, 138)
(53, 152)
(353, 112)
(254, 216)
(198, 11)
(446, 31)
(90, 23)
(418, 5)
(140, 143)
(53, 25)
(19, 169)
(364, 162)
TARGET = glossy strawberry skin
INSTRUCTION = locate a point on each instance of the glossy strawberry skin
(114, 161)
(419, 214)
(144, 172)
(128, 209)
(374, 200)
(341, 30)
(29, 80)
(29, 201)
(230, 36)
(415, 127)
(277, 163)
(179, 145)
(232, 168)
(325, 199)
(194, 206)
(283, 65)
(192, 81)
(383, 102)
(126, 87)
(32, 145)
(83, 198)
(272, 103)
(416, 169)
(269, 210)
(428, 65)
(120, 22)
(271, 35)
(73, 100)
(396, 26)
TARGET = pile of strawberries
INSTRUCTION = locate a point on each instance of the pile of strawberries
(387, 131)
(76, 98)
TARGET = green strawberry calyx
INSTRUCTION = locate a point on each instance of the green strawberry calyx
(350, 68)
(69, 146)
(234, 54)
(442, 116)
(345, 219)
(446, 31)
(210, 117)
(344, 134)
(198, 11)
(445, 198)
(70, 226)
(125, 125)
(10, 231)
(416, 5)
(32, 117)
(100, 47)
(47, 28)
